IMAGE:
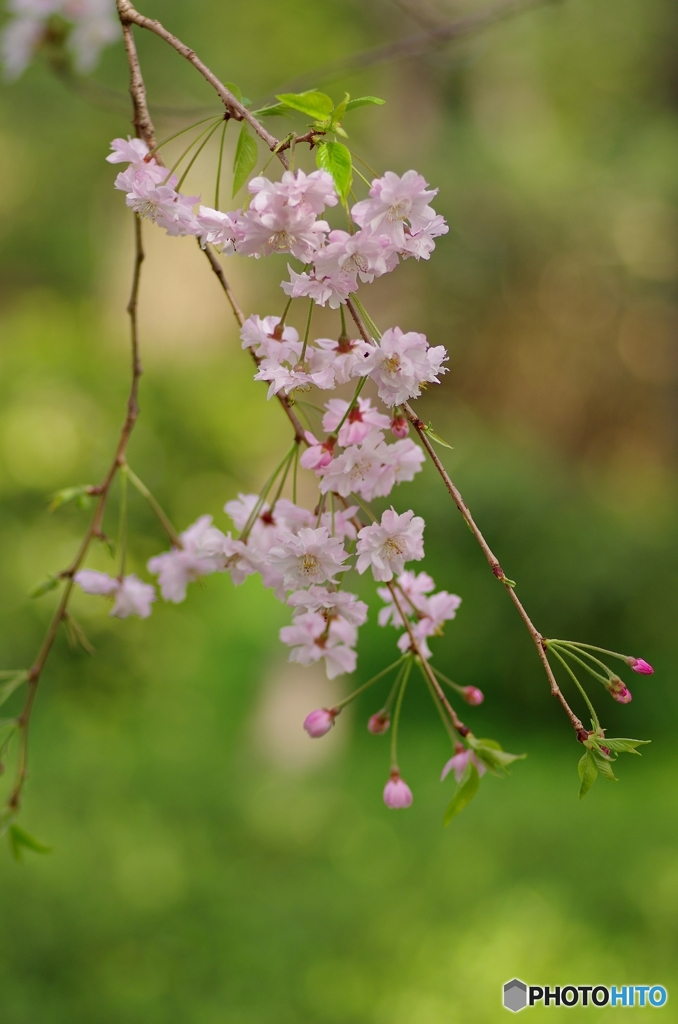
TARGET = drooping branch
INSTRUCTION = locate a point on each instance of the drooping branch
(497, 571)
(129, 15)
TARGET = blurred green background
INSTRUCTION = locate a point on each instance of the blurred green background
(210, 864)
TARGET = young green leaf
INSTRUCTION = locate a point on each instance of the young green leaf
(491, 754)
(315, 104)
(70, 494)
(13, 683)
(51, 583)
(235, 89)
(363, 101)
(625, 746)
(603, 766)
(588, 773)
(466, 790)
(20, 840)
(340, 109)
(245, 158)
(438, 440)
(335, 157)
(275, 110)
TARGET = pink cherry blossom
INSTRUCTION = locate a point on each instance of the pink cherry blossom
(203, 552)
(281, 228)
(397, 793)
(267, 340)
(458, 764)
(378, 723)
(330, 604)
(220, 229)
(342, 355)
(312, 556)
(363, 255)
(385, 547)
(132, 595)
(401, 363)
(338, 523)
(619, 690)
(641, 666)
(400, 427)
(163, 206)
(318, 454)
(127, 151)
(319, 722)
(312, 638)
(359, 469)
(312, 191)
(415, 587)
(360, 421)
(394, 201)
(420, 244)
(323, 287)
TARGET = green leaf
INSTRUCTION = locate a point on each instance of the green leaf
(340, 109)
(245, 158)
(363, 101)
(624, 746)
(51, 583)
(335, 157)
(78, 494)
(235, 89)
(12, 684)
(603, 766)
(275, 110)
(19, 840)
(439, 440)
(492, 755)
(317, 105)
(588, 773)
(466, 790)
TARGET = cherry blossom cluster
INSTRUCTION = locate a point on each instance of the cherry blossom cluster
(93, 26)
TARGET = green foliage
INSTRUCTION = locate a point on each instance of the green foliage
(51, 583)
(362, 101)
(436, 438)
(20, 840)
(491, 754)
(9, 682)
(588, 772)
(78, 494)
(245, 159)
(336, 158)
(466, 790)
(317, 105)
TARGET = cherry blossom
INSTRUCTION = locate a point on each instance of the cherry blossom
(641, 666)
(385, 547)
(458, 763)
(203, 551)
(394, 201)
(342, 355)
(312, 638)
(93, 26)
(280, 228)
(331, 604)
(401, 364)
(361, 420)
(313, 191)
(323, 287)
(312, 556)
(132, 595)
(220, 229)
(268, 340)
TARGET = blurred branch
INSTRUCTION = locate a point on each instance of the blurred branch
(496, 568)
(414, 45)
(94, 530)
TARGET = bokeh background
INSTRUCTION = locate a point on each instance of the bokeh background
(210, 864)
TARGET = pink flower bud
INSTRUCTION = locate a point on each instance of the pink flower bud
(641, 666)
(472, 695)
(399, 426)
(397, 793)
(378, 723)
(619, 690)
(319, 722)
(606, 750)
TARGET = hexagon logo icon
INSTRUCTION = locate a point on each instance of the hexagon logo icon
(515, 995)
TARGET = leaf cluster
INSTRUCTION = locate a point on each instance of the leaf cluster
(597, 761)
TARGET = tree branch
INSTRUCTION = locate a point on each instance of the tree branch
(496, 568)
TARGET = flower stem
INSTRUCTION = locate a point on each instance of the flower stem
(581, 689)
(195, 156)
(122, 533)
(308, 331)
(596, 675)
(407, 668)
(221, 158)
(374, 679)
(155, 505)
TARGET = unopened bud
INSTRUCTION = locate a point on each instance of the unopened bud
(319, 722)
(619, 690)
(606, 750)
(378, 723)
(399, 426)
(397, 793)
(641, 666)
(472, 695)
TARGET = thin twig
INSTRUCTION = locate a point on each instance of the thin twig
(129, 15)
(94, 530)
(496, 568)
